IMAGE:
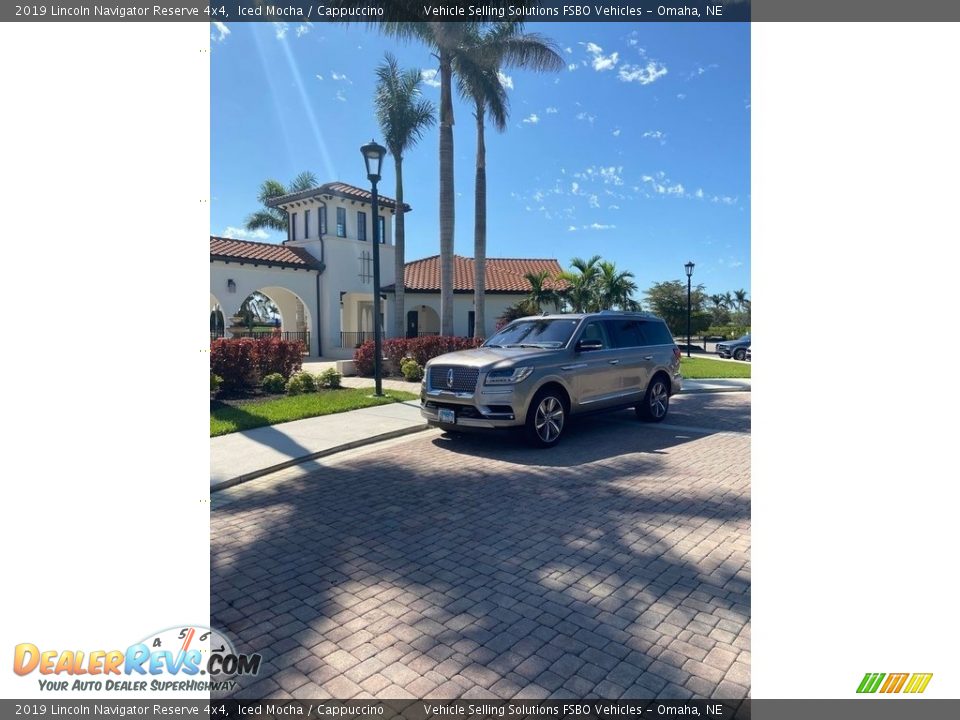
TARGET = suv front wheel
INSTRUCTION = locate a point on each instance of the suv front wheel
(656, 402)
(546, 418)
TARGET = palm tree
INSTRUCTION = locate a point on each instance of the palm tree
(581, 281)
(615, 288)
(740, 296)
(403, 116)
(273, 218)
(480, 80)
(449, 41)
(540, 292)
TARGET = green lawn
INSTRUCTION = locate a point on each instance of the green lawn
(228, 418)
(697, 368)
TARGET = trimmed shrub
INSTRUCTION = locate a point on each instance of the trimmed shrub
(411, 370)
(236, 361)
(420, 349)
(395, 350)
(215, 382)
(301, 382)
(279, 356)
(329, 378)
(274, 383)
(363, 358)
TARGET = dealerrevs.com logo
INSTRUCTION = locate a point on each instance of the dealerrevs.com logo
(910, 683)
(182, 659)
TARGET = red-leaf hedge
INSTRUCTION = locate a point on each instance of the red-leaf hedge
(420, 349)
(241, 362)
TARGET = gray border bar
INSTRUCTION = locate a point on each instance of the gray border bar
(630, 11)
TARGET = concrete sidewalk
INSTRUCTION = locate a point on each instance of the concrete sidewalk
(246, 455)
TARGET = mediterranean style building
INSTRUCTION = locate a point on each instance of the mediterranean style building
(321, 277)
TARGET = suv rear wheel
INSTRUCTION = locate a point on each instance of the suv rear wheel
(656, 402)
(546, 418)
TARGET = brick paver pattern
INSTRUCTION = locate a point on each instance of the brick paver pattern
(614, 565)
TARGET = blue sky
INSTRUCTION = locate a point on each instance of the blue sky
(639, 151)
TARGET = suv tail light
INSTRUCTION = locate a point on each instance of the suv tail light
(676, 353)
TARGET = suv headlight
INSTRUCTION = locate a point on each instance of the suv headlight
(508, 376)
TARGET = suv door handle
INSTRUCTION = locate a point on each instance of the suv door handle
(648, 357)
(613, 362)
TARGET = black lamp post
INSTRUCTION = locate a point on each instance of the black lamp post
(689, 268)
(373, 157)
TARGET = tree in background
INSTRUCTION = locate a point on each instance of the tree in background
(403, 115)
(542, 291)
(271, 218)
(581, 281)
(668, 300)
(615, 288)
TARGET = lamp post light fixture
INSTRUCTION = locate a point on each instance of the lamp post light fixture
(689, 268)
(373, 155)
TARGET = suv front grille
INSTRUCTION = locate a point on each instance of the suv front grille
(463, 379)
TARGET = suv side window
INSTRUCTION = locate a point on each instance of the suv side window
(594, 331)
(624, 333)
(656, 333)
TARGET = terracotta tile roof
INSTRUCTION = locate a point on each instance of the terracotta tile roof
(504, 275)
(222, 248)
(338, 189)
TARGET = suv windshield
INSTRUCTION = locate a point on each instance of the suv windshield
(536, 333)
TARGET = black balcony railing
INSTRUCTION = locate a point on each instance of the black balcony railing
(355, 339)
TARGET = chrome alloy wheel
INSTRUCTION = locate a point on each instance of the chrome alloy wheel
(659, 397)
(549, 419)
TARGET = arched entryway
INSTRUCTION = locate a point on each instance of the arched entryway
(271, 312)
(422, 320)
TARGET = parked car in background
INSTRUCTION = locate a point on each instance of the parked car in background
(737, 349)
(538, 371)
(748, 355)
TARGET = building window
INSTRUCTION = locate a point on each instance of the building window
(341, 222)
(306, 224)
(361, 225)
(293, 226)
(323, 220)
(366, 267)
(383, 229)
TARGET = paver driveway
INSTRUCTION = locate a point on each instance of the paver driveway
(614, 565)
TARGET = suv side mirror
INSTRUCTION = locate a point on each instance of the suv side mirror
(587, 345)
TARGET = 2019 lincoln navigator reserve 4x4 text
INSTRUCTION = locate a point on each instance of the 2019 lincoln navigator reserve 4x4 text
(538, 371)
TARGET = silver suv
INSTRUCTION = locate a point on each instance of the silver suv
(538, 371)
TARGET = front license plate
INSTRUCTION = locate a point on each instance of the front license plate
(448, 416)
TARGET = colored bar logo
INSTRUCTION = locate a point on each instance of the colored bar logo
(894, 683)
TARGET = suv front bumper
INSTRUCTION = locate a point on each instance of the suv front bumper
(486, 408)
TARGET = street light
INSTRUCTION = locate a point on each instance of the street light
(689, 268)
(373, 159)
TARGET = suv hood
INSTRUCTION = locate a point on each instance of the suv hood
(488, 357)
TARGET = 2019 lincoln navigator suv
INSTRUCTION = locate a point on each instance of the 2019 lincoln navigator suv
(538, 371)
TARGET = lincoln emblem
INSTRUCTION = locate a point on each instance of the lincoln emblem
(450, 378)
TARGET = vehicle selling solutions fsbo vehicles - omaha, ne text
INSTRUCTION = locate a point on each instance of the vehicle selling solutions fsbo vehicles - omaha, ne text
(538, 371)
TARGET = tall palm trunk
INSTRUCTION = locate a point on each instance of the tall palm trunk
(399, 322)
(480, 231)
(446, 194)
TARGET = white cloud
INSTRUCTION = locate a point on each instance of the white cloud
(681, 96)
(586, 116)
(319, 77)
(611, 175)
(303, 29)
(598, 226)
(600, 61)
(699, 194)
(340, 96)
(675, 189)
(616, 133)
(643, 74)
(568, 51)
(594, 201)
(222, 31)
(505, 80)
(613, 207)
(430, 78)
(574, 188)
(657, 135)
(552, 111)
(532, 119)
(340, 77)
(280, 28)
(571, 67)
(572, 228)
(239, 233)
